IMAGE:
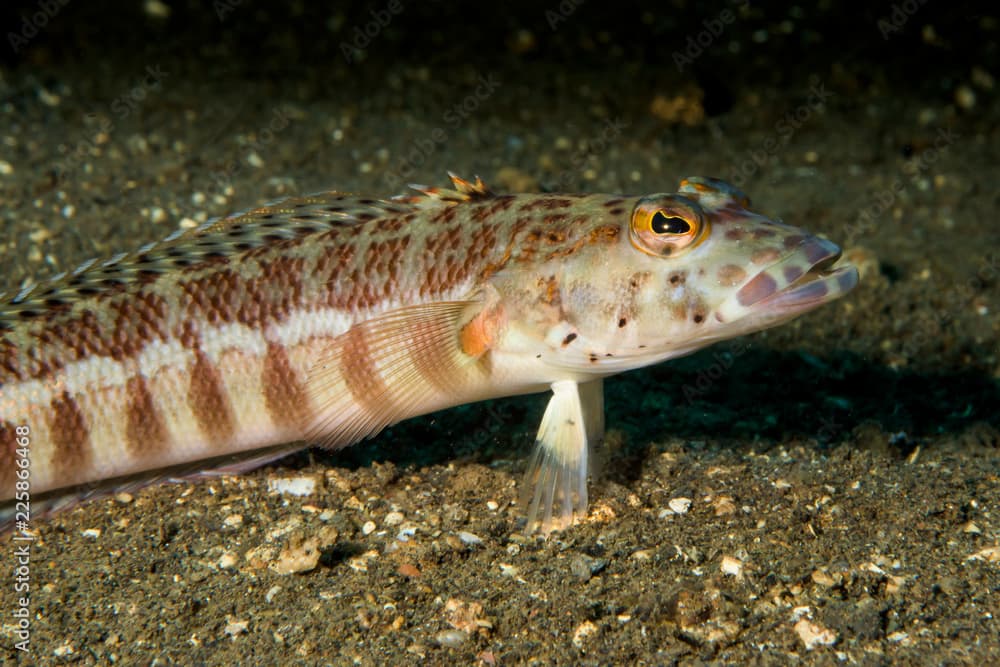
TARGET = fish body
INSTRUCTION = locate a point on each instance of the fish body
(323, 319)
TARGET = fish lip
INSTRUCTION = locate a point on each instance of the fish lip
(811, 274)
(826, 277)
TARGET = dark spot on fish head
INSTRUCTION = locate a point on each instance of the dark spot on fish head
(792, 273)
(793, 241)
(764, 256)
(760, 287)
(731, 275)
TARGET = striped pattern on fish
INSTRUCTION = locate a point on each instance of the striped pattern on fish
(326, 318)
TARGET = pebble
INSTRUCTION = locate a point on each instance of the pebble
(732, 567)
(227, 560)
(235, 628)
(451, 638)
(469, 538)
(679, 505)
(6, 168)
(300, 556)
(584, 567)
(292, 486)
(584, 630)
(965, 97)
(814, 635)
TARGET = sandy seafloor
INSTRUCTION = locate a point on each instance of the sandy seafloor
(841, 471)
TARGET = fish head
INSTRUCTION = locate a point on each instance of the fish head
(688, 269)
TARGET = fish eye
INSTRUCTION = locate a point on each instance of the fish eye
(664, 226)
(661, 224)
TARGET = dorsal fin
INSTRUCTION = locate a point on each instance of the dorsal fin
(464, 191)
(285, 220)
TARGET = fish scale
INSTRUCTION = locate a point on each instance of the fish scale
(323, 319)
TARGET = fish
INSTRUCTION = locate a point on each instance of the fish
(323, 319)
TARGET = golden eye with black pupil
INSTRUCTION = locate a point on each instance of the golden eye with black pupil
(665, 225)
(661, 224)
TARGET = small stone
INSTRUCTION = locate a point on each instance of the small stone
(965, 97)
(508, 570)
(304, 485)
(468, 538)
(394, 518)
(584, 630)
(123, 498)
(156, 9)
(492, 505)
(301, 555)
(989, 554)
(732, 567)
(233, 521)
(92, 533)
(823, 578)
(6, 168)
(227, 560)
(63, 650)
(583, 567)
(814, 635)
(451, 638)
(368, 528)
(157, 215)
(235, 628)
(679, 505)
(409, 570)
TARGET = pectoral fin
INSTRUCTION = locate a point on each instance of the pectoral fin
(399, 365)
(555, 485)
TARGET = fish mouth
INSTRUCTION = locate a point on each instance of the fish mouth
(813, 274)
